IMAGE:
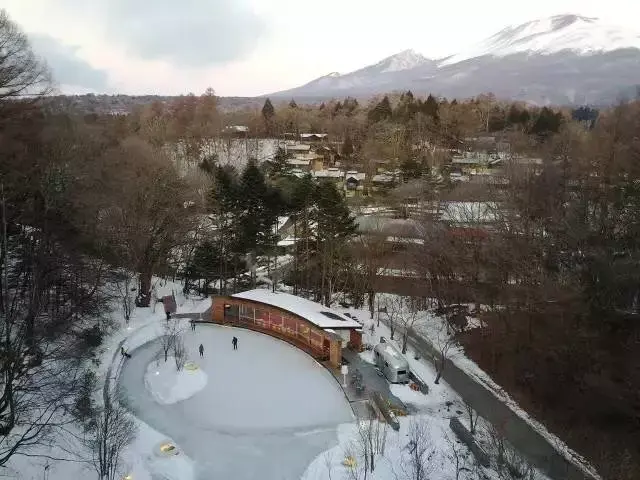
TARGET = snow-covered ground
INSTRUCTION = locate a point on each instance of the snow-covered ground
(139, 458)
(432, 414)
(433, 328)
(168, 385)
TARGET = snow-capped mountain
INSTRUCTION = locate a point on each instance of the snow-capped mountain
(581, 35)
(405, 60)
(560, 59)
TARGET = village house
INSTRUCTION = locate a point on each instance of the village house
(236, 130)
(332, 174)
(354, 183)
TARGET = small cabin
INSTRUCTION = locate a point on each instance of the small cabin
(391, 362)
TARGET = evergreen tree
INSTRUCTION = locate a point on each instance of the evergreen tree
(301, 206)
(407, 107)
(279, 166)
(382, 111)
(430, 107)
(334, 226)
(347, 146)
(205, 264)
(350, 105)
(254, 224)
(293, 104)
(337, 109)
(547, 123)
(268, 113)
(224, 204)
(410, 168)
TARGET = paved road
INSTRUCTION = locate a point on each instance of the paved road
(521, 435)
(239, 453)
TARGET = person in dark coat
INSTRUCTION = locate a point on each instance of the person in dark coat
(193, 325)
(201, 350)
(235, 343)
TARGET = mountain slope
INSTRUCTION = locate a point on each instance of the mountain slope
(563, 59)
(582, 35)
(382, 76)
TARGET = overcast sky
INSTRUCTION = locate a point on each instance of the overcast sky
(251, 47)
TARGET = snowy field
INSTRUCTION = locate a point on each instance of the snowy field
(266, 411)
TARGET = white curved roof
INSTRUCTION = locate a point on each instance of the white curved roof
(318, 314)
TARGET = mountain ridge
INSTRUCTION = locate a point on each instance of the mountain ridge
(599, 59)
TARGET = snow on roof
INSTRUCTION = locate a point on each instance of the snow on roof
(297, 147)
(282, 221)
(355, 175)
(309, 135)
(315, 313)
(328, 173)
(383, 178)
(237, 128)
(298, 161)
(286, 242)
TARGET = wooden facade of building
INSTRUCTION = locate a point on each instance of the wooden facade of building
(288, 326)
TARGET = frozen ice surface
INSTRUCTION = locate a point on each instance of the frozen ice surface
(266, 412)
(168, 385)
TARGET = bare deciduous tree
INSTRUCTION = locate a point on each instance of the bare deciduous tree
(459, 456)
(443, 343)
(22, 75)
(179, 353)
(48, 293)
(473, 417)
(407, 320)
(370, 442)
(125, 285)
(393, 305)
(170, 336)
(147, 215)
(113, 430)
(417, 455)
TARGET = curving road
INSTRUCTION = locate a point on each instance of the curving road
(267, 411)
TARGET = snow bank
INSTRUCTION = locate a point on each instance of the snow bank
(144, 464)
(167, 385)
(395, 461)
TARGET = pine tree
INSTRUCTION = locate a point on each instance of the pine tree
(205, 264)
(224, 204)
(293, 104)
(337, 108)
(279, 166)
(301, 205)
(407, 107)
(350, 105)
(252, 195)
(334, 226)
(268, 113)
(431, 107)
(548, 122)
(347, 146)
(382, 111)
